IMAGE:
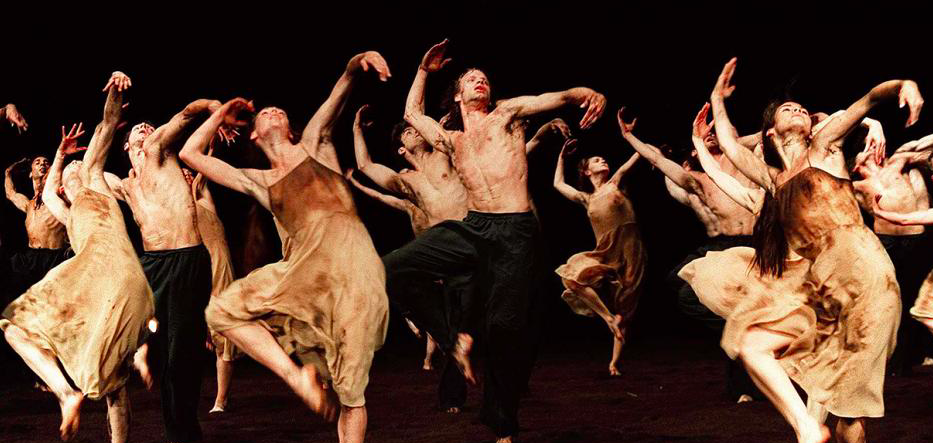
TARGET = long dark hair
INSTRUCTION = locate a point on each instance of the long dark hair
(583, 181)
(453, 121)
(768, 238)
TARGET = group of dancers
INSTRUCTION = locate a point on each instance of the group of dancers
(801, 288)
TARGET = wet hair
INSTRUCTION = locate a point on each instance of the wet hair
(453, 120)
(583, 181)
(768, 238)
(397, 131)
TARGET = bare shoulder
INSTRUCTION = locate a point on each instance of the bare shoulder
(262, 177)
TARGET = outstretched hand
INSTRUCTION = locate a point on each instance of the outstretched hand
(724, 86)
(15, 118)
(910, 95)
(360, 121)
(227, 134)
(434, 60)
(374, 60)
(69, 143)
(595, 104)
(118, 80)
(701, 128)
(559, 126)
(626, 128)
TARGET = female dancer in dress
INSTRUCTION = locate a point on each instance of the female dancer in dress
(613, 270)
(89, 323)
(326, 300)
(828, 323)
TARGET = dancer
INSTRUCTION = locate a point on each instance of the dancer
(613, 270)
(177, 264)
(901, 188)
(828, 322)
(48, 241)
(496, 243)
(88, 325)
(215, 240)
(326, 299)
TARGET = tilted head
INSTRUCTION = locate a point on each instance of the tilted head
(71, 180)
(271, 124)
(134, 139)
(472, 90)
(407, 138)
(779, 121)
(40, 168)
(711, 142)
(588, 167)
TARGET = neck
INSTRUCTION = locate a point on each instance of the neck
(791, 148)
(473, 113)
(598, 180)
(37, 185)
(275, 150)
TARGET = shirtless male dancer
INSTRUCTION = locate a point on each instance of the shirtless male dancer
(899, 187)
(432, 192)
(48, 241)
(497, 240)
(177, 263)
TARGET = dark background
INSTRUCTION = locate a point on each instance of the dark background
(660, 65)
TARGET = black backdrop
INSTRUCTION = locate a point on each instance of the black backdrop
(662, 66)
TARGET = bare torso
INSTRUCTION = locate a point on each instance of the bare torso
(43, 229)
(162, 205)
(900, 191)
(722, 215)
(434, 187)
(490, 159)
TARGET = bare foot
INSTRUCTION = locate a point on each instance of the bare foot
(615, 326)
(313, 393)
(453, 410)
(745, 398)
(217, 408)
(504, 440)
(71, 415)
(461, 356)
(427, 366)
(813, 432)
(927, 362)
(614, 371)
(139, 363)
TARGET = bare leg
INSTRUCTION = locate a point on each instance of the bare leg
(140, 363)
(817, 411)
(414, 329)
(591, 298)
(850, 430)
(224, 376)
(44, 364)
(757, 353)
(351, 427)
(461, 355)
(118, 416)
(259, 344)
(429, 353)
(616, 352)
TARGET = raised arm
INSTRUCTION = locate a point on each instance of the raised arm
(430, 129)
(19, 200)
(594, 102)
(388, 200)
(166, 135)
(924, 217)
(11, 114)
(116, 185)
(750, 199)
(380, 174)
(553, 127)
(916, 152)
(318, 134)
(834, 133)
(50, 197)
(99, 146)
(744, 160)
(220, 172)
(569, 192)
(672, 170)
(676, 192)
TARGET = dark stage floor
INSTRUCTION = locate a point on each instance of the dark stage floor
(670, 392)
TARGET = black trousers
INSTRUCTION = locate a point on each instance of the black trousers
(181, 283)
(912, 262)
(498, 254)
(26, 267)
(738, 381)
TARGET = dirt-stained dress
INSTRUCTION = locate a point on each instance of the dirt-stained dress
(215, 240)
(326, 299)
(91, 310)
(616, 266)
(840, 303)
